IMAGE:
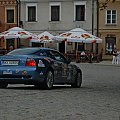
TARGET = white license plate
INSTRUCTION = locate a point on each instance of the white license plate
(7, 72)
(10, 62)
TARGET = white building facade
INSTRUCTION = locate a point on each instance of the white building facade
(58, 16)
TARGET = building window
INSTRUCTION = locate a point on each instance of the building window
(111, 16)
(55, 11)
(10, 16)
(79, 11)
(31, 12)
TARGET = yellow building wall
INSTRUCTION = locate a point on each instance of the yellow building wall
(106, 30)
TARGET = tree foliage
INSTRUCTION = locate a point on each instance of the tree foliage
(103, 4)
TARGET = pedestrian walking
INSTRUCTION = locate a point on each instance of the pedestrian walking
(115, 58)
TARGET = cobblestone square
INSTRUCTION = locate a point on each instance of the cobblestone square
(97, 99)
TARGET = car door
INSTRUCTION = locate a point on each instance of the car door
(55, 65)
(62, 67)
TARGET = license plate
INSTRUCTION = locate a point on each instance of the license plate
(10, 62)
(7, 72)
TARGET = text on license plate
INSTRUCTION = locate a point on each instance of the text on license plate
(10, 62)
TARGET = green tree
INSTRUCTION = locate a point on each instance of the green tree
(103, 4)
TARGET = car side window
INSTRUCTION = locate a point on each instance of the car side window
(56, 56)
(59, 57)
(50, 54)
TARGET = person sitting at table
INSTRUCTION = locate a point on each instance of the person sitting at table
(10, 48)
(82, 56)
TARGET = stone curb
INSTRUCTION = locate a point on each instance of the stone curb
(105, 63)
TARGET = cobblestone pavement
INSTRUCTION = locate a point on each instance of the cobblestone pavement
(97, 99)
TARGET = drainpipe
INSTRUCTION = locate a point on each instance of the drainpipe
(92, 17)
(18, 19)
(92, 21)
(17, 11)
(97, 24)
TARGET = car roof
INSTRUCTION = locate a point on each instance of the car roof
(39, 48)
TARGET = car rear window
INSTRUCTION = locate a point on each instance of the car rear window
(24, 51)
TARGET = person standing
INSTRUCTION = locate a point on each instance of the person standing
(115, 53)
(118, 57)
(82, 56)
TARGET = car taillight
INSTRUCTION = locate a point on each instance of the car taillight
(30, 62)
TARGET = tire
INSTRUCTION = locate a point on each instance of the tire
(78, 80)
(49, 80)
(3, 85)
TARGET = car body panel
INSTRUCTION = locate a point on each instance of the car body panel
(13, 69)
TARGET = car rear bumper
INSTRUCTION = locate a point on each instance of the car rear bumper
(20, 79)
(21, 76)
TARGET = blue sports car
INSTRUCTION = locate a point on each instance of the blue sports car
(42, 67)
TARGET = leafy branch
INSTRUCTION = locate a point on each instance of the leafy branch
(103, 5)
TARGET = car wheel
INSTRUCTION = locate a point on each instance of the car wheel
(3, 85)
(49, 80)
(78, 80)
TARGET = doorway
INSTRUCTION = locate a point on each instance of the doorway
(62, 47)
(110, 45)
(10, 42)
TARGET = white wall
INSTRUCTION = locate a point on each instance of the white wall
(67, 17)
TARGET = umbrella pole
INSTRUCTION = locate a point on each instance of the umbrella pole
(65, 47)
(5, 43)
(76, 52)
(17, 42)
(58, 46)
